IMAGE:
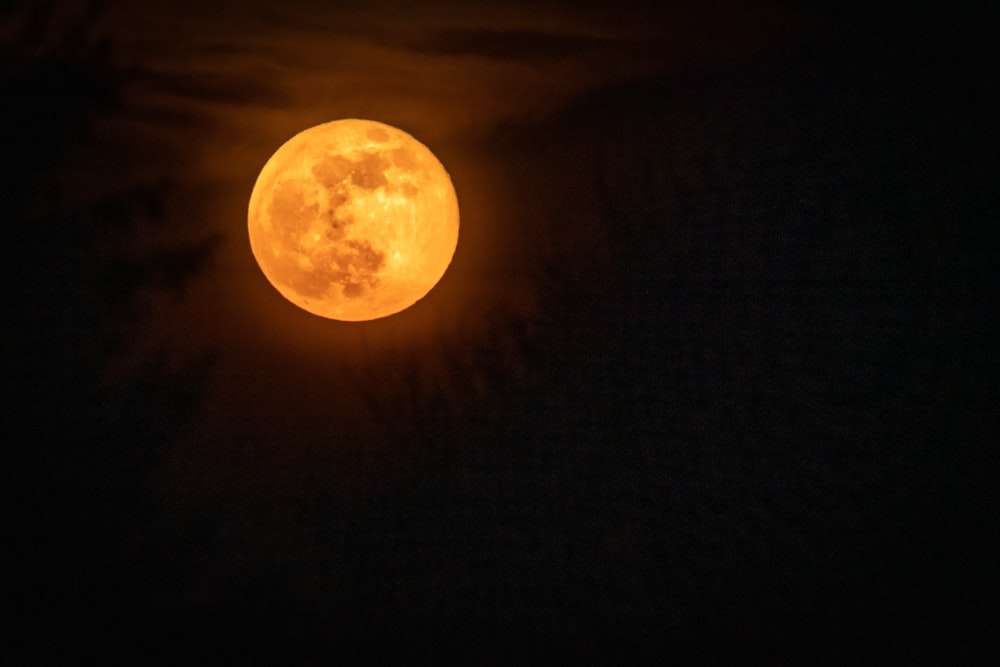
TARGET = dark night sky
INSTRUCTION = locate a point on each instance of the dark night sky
(710, 376)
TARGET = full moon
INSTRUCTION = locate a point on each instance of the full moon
(353, 220)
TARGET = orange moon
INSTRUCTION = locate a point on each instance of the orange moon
(353, 220)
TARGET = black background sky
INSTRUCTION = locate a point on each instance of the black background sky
(710, 376)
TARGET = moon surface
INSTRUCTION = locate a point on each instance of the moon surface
(353, 220)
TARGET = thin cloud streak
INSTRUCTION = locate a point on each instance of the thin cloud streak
(445, 73)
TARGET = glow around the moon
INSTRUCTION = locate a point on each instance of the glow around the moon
(353, 220)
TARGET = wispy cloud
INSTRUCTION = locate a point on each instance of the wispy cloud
(510, 44)
(441, 69)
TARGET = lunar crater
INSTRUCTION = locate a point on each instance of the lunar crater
(369, 172)
(336, 226)
(332, 170)
(288, 205)
(357, 270)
